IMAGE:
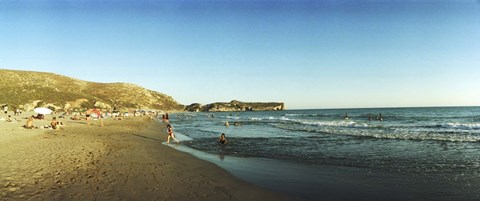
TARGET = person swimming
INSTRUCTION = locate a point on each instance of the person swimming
(222, 139)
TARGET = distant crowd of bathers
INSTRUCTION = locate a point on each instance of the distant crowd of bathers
(371, 117)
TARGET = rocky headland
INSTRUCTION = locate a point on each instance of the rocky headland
(235, 106)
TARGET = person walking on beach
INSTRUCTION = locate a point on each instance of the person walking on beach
(170, 134)
(101, 121)
(222, 139)
(87, 119)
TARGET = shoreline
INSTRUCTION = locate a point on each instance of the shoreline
(125, 160)
(317, 155)
(330, 182)
(324, 181)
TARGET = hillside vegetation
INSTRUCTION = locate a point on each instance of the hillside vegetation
(26, 90)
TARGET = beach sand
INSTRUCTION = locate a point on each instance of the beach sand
(125, 160)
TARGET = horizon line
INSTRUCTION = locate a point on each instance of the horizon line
(384, 107)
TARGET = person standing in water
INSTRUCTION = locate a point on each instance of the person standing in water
(170, 134)
(222, 139)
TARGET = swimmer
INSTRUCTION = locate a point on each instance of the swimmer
(222, 139)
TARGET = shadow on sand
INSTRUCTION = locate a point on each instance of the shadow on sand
(146, 137)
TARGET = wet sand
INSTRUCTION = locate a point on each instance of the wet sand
(125, 160)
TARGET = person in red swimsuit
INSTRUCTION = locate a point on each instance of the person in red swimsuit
(170, 134)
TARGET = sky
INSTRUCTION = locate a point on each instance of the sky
(308, 54)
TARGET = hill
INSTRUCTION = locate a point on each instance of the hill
(27, 89)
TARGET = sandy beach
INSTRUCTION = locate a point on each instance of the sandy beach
(125, 160)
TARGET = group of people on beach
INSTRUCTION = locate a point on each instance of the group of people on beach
(5, 108)
(10, 119)
(54, 124)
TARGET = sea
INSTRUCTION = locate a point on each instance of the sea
(430, 153)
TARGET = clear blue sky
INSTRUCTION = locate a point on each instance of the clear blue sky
(309, 54)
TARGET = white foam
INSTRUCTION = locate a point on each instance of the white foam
(232, 117)
(470, 126)
(407, 135)
(270, 118)
(349, 124)
(181, 137)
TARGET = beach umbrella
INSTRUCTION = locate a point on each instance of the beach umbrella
(93, 111)
(96, 111)
(42, 110)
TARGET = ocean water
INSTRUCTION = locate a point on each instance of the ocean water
(425, 152)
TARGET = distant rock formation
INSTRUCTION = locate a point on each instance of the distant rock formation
(235, 106)
(195, 107)
(26, 90)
